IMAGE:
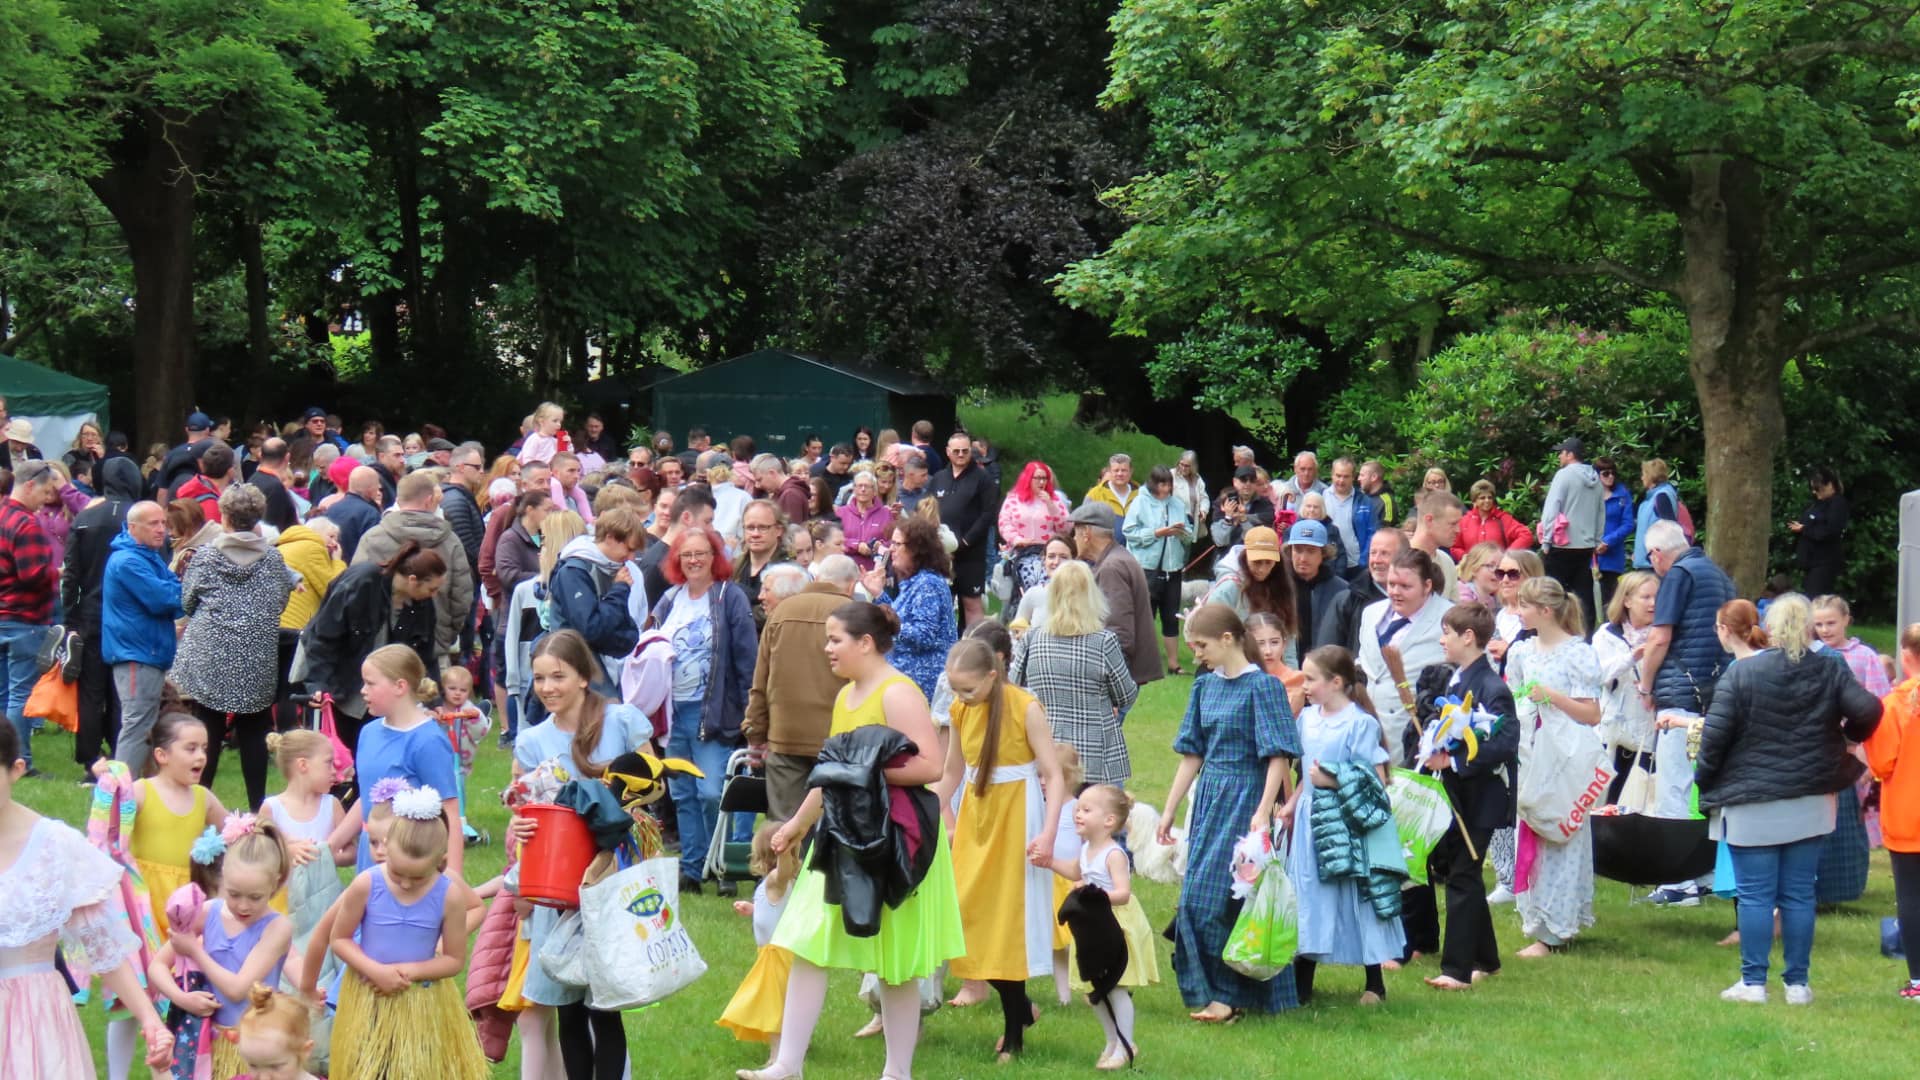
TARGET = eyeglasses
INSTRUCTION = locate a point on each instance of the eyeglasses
(1605, 472)
(1507, 575)
(759, 528)
(696, 556)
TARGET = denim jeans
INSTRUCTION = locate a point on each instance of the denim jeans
(697, 801)
(19, 657)
(1776, 876)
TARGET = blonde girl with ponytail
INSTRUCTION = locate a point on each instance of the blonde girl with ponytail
(401, 741)
(1555, 677)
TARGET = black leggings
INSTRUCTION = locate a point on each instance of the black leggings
(1163, 588)
(593, 1044)
(249, 731)
(1303, 979)
(1906, 899)
(1016, 1014)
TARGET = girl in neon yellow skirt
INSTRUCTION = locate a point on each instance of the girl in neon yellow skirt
(914, 938)
(401, 1011)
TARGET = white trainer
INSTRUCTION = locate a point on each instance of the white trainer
(1800, 995)
(1500, 895)
(1745, 994)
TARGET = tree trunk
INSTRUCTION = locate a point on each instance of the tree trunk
(254, 262)
(149, 190)
(1735, 358)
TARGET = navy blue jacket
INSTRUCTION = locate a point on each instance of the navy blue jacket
(583, 597)
(1690, 597)
(735, 647)
(355, 516)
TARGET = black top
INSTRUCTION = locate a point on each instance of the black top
(1822, 525)
(1778, 728)
(967, 506)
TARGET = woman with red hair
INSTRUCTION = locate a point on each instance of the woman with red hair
(710, 622)
(1034, 512)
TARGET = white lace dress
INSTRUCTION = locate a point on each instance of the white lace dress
(60, 893)
(1558, 903)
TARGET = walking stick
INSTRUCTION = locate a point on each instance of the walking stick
(1419, 730)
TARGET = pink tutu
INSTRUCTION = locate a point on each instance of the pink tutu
(40, 1032)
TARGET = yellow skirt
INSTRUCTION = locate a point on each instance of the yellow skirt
(161, 880)
(1062, 937)
(1143, 965)
(761, 999)
(422, 1032)
(511, 998)
(227, 1062)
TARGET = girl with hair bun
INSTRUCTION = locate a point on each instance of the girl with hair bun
(401, 740)
(915, 938)
(275, 1036)
(1235, 743)
(306, 813)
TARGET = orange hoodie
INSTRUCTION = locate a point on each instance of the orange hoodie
(1893, 753)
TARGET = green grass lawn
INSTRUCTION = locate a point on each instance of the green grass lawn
(1045, 429)
(1637, 996)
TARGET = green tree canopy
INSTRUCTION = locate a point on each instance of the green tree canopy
(1368, 168)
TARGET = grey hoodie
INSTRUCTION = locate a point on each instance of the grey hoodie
(1576, 492)
(453, 604)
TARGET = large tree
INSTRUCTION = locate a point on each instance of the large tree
(193, 95)
(1368, 167)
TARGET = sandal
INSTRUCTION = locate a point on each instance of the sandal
(1233, 1016)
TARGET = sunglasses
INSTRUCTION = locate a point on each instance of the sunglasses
(1507, 575)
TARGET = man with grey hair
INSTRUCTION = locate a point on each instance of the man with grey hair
(789, 492)
(790, 706)
(1243, 457)
(1116, 488)
(29, 575)
(781, 580)
(358, 510)
(1123, 583)
(1304, 481)
(140, 599)
(319, 484)
(913, 484)
(1683, 659)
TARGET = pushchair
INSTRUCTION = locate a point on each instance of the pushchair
(742, 791)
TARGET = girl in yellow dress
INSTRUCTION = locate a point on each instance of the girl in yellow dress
(1101, 811)
(914, 938)
(753, 1015)
(1001, 758)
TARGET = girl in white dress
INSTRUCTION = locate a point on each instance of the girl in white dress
(1553, 882)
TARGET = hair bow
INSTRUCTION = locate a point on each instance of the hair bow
(387, 790)
(208, 847)
(418, 804)
(237, 826)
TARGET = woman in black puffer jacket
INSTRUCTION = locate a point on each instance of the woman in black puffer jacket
(1773, 753)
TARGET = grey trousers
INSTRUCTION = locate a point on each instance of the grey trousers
(139, 688)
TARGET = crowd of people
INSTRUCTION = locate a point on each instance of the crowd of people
(592, 601)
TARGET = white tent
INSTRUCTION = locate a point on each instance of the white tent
(1907, 607)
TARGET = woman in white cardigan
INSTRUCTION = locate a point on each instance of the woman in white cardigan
(1400, 637)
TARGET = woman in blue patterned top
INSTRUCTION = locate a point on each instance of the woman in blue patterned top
(922, 596)
(1239, 740)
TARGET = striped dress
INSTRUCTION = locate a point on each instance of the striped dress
(1084, 686)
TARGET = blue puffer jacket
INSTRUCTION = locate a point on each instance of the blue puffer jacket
(1344, 821)
(139, 599)
(1695, 659)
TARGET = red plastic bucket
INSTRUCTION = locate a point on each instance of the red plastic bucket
(556, 858)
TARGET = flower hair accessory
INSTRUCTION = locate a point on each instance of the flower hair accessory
(208, 847)
(389, 789)
(239, 825)
(418, 804)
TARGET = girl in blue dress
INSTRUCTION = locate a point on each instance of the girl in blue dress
(1238, 741)
(1337, 923)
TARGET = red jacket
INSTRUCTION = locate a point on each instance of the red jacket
(1498, 527)
(203, 493)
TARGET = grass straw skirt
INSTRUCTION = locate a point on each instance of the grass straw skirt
(753, 1015)
(422, 1032)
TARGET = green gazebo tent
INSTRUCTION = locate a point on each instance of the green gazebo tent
(56, 404)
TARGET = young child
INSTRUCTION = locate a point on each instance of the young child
(275, 1037)
(404, 742)
(171, 810)
(1898, 770)
(1099, 813)
(306, 813)
(548, 436)
(754, 1013)
(1338, 923)
(59, 888)
(318, 957)
(1271, 639)
(1477, 786)
(245, 941)
(1066, 848)
(187, 916)
(401, 1012)
(465, 725)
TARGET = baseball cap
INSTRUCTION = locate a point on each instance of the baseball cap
(199, 421)
(1261, 545)
(313, 412)
(1307, 532)
(1097, 514)
(437, 445)
(1572, 445)
(1246, 472)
